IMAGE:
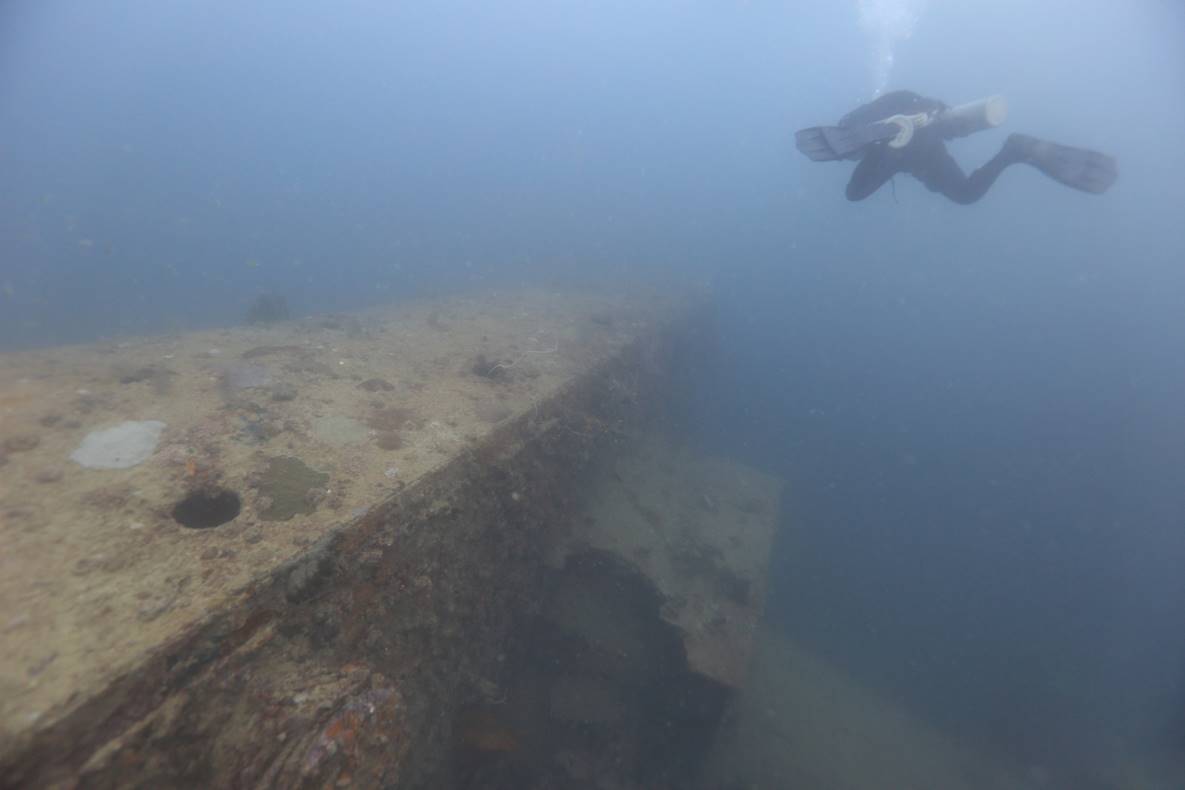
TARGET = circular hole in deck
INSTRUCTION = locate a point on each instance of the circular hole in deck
(205, 509)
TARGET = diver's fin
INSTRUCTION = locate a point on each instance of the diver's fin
(828, 143)
(1078, 168)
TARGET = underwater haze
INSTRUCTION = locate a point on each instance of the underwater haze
(979, 411)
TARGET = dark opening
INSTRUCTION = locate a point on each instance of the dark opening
(205, 509)
(595, 692)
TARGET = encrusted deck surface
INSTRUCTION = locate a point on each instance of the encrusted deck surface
(312, 423)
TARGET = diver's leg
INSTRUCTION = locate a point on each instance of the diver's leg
(870, 175)
(939, 171)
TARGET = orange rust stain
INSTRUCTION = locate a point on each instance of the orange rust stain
(344, 730)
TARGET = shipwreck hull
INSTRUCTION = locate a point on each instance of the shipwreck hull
(345, 645)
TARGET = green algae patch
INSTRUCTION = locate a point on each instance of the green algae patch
(338, 430)
(289, 488)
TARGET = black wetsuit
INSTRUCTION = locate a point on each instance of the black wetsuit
(925, 156)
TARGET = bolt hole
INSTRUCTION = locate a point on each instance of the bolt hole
(206, 509)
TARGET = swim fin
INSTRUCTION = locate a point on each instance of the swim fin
(828, 143)
(1079, 168)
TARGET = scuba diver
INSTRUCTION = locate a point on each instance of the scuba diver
(902, 132)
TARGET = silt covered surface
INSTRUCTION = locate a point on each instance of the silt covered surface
(124, 627)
